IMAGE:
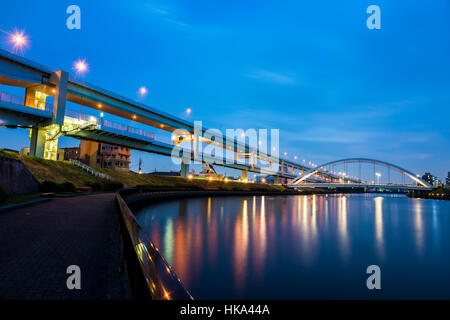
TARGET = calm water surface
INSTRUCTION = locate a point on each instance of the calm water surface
(304, 247)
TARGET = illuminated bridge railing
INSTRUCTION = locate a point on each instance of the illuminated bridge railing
(81, 119)
(31, 102)
(10, 98)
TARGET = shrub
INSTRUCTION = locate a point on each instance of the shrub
(95, 186)
(49, 186)
(67, 187)
(111, 186)
(3, 195)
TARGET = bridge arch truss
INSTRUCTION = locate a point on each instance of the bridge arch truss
(324, 169)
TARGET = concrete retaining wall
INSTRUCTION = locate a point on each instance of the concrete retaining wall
(15, 177)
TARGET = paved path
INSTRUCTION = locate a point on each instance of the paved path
(39, 242)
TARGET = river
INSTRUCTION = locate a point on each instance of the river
(304, 247)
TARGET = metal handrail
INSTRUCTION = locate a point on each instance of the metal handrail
(30, 102)
(90, 170)
(161, 282)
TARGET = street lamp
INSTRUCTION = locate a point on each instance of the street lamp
(19, 41)
(143, 92)
(80, 67)
(378, 177)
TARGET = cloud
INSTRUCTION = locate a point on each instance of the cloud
(272, 77)
(168, 14)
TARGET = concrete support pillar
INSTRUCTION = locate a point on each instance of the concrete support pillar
(244, 175)
(60, 78)
(276, 180)
(37, 142)
(90, 152)
(184, 170)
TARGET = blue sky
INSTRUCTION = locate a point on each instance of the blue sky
(334, 88)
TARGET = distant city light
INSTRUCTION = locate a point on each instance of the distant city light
(188, 111)
(81, 67)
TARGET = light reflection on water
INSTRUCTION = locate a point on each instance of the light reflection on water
(304, 246)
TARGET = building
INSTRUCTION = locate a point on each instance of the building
(434, 181)
(165, 173)
(428, 177)
(208, 171)
(66, 154)
(25, 151)
(102, 155)
(447, 180)
(114, 157)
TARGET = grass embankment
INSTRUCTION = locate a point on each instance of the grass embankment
(59, 172)
(56, 171)
(132, 179)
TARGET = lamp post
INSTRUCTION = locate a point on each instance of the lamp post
(378, 177)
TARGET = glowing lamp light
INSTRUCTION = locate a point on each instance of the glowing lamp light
(210, 178)
(143, 91)
(81, 67)
(188, 111)
(226, 180)
(134, 116)
(190, 176)
(19, 41)
(53, 90)
(99, 105)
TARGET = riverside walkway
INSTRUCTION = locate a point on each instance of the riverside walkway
(39, 242)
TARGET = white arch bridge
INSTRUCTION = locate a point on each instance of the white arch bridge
(325, 176)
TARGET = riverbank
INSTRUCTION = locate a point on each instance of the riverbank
(441, 193)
